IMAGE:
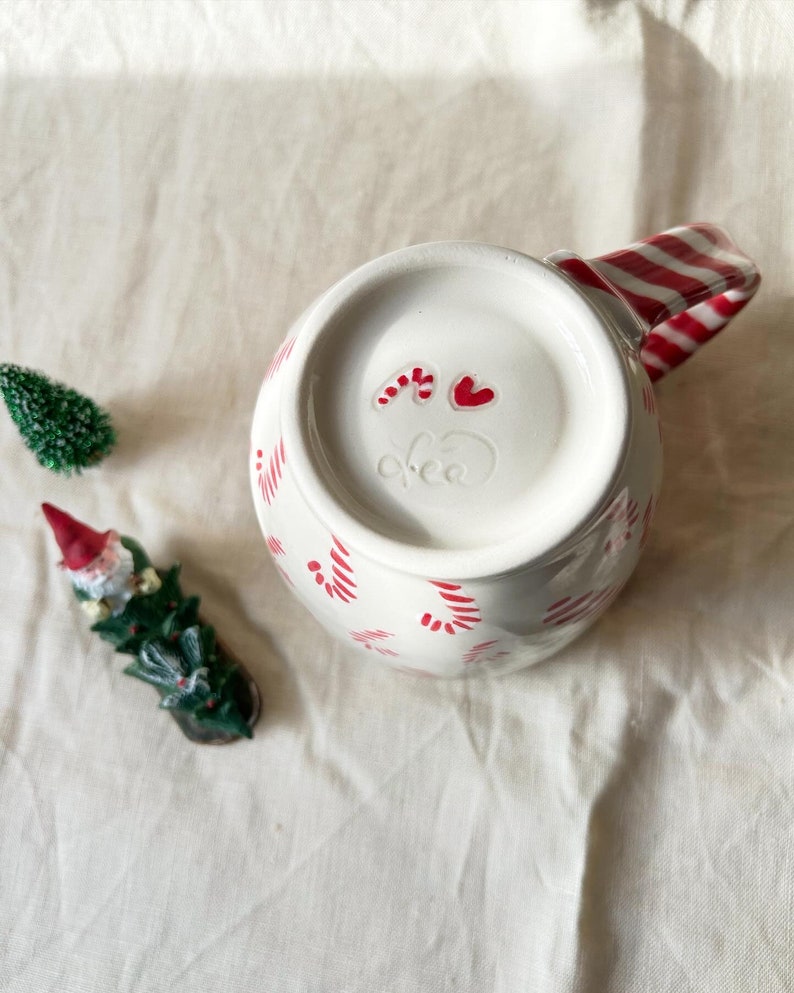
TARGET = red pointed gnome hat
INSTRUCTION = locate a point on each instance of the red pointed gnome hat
(79, 543)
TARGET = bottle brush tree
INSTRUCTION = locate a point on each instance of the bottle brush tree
(66, 431)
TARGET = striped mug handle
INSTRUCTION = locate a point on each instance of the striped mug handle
(684, 285)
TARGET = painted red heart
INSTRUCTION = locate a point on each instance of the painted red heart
(465, 395)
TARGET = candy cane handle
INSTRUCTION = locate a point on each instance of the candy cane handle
(684, 285)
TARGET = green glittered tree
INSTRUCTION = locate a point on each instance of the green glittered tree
(66, 431)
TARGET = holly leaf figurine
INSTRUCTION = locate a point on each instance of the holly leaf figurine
(143, 613)
(179, 671)
(66, 431)
(159, 665)
(191, 691)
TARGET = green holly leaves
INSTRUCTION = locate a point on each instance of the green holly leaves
(179, 656)
(163, 614)
(176, 670)
(187, 674)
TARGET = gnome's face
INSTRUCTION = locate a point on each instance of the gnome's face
(106, 575)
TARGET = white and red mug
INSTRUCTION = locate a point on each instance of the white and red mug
(456, 454)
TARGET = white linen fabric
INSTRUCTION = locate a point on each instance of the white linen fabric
(178, 181)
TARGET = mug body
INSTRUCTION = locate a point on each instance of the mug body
(455, 458)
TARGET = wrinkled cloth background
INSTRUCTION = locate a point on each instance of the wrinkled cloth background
(178, 181)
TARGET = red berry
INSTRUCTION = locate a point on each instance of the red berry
(210, 704)
(134, 628)
(171, 605)
(181, 681)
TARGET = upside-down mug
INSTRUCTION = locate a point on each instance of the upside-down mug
(456, 455)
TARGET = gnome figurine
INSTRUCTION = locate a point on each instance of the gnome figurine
(143, 613)
(104, 568)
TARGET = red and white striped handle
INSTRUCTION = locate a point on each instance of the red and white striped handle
(685, 285)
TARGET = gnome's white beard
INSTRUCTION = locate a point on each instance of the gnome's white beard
(108, 576)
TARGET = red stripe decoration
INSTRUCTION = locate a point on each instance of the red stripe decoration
(650, 309)
(685, 284)
(640, 264)
(371, 639)
(584, 273)
(270, 474)
(647, 519)
(275, 546)
(462, 610)
(623, 510)
(690, 250)
(276, 549)
(339, 582)
(649, 403)
(624, 513)
(484, 652)
(570, 610)
(279, 358)
(672, 246)
(663, 349)
(715, 234)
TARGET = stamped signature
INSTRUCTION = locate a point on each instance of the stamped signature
(456, 458)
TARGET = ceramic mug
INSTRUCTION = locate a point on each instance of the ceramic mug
(456, 454)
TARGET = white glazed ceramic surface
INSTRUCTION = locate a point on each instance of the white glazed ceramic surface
(455, 458)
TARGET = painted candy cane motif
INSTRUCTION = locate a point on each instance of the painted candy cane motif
(341, 583)
(572, 609)
(270, 474)
(462, 610)
(279, 358)
(624, 513)
(274, 545)
(414, 376)
(647, 519)
(276, 549)
(685, 285)
(372, 639)
(649, 403)
(484, 652)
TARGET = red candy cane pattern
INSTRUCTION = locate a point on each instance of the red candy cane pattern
(647, 519)
(649, 403)
(685, 284)
(342, 582)
(371, 639)
(570, 609)
(274, 545)
(421, 379)
(484, 652)
(463, 609)
(270, 474)
(276, 549)
(624, 513)
(279, 358)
